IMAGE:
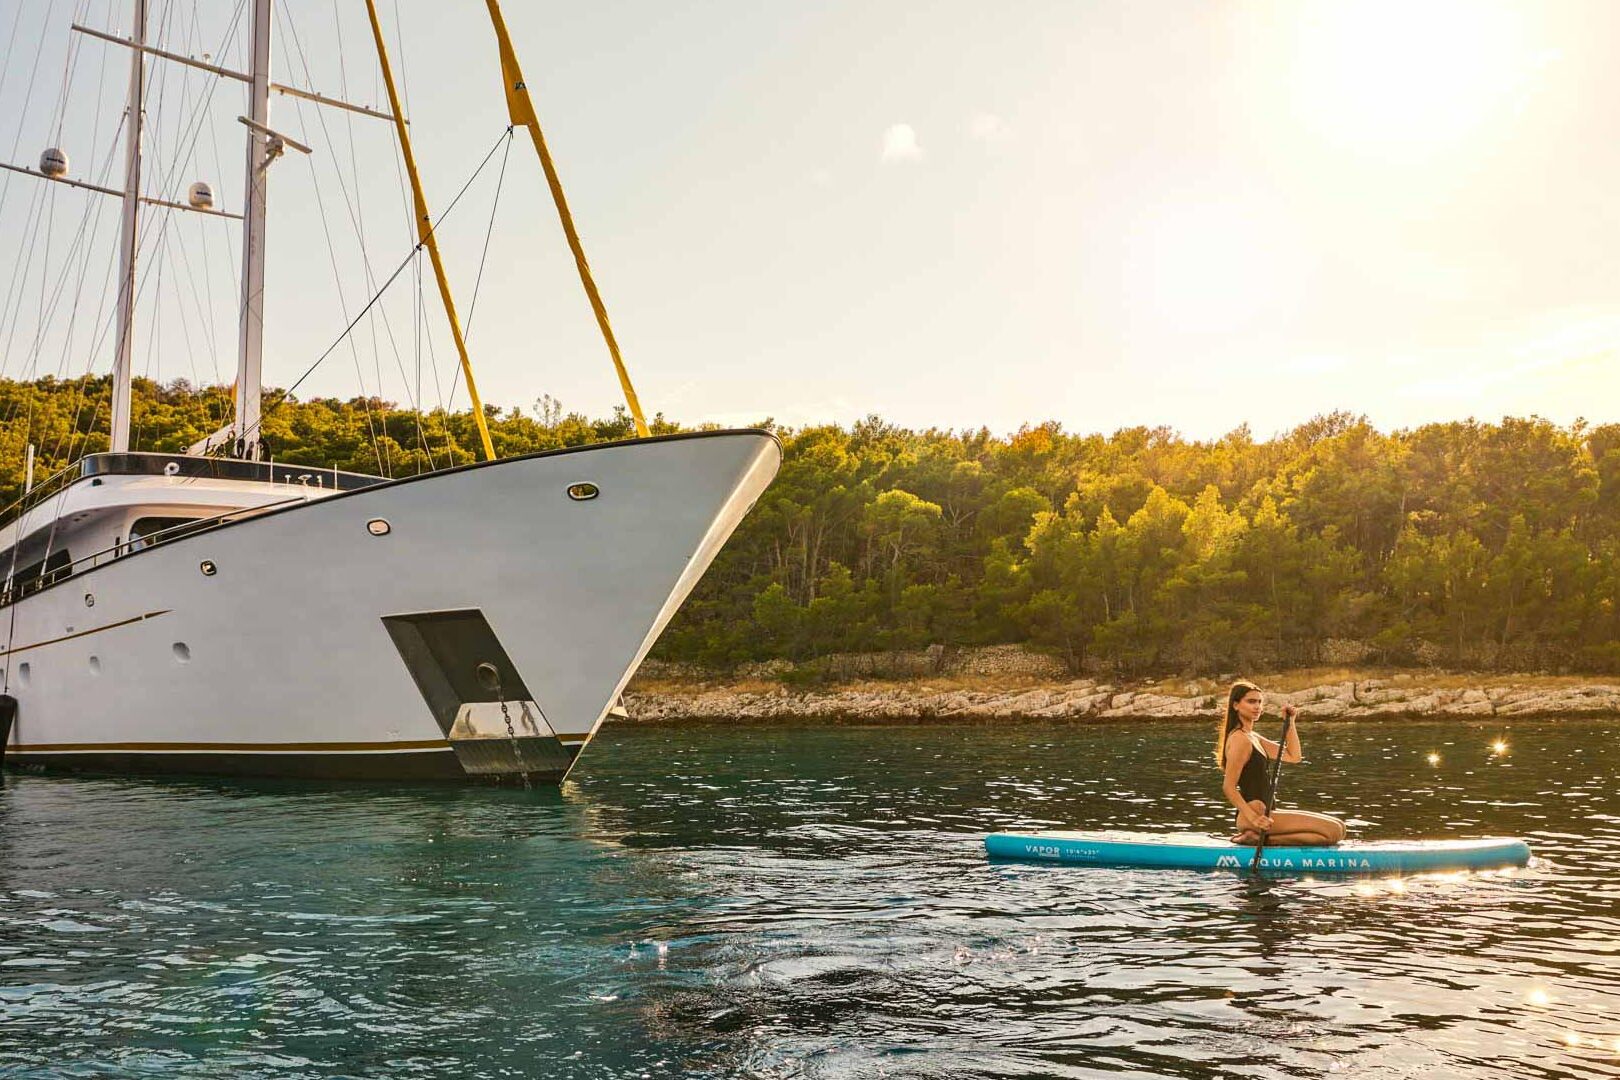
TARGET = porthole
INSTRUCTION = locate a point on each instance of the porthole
(171, 469)
(208, 568)
(25, 673)
(583, 490)
(182, 652)
(89, 600)
(95, 665)
(378, 527)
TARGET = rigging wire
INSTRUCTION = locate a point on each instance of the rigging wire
(415, 251)
(500, 182)
(81, 238)
(413, 391)
(360, 218)
(28, 96)
(59, 109)
(34, 352)
(185, 323)
(69, 62)
(331, 249)
(191, 132)
(89, 218)
(154, 357)
(85, 219)
(422, 442)
(406, 205)
(365, 257)
(433, 366)
(157, 242)
(11, 41)
(179, 249)
(213, 402)
(185, 258)
(157, 86)
(478, 282)
(355, 206)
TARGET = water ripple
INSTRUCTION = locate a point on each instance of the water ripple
(814, 902)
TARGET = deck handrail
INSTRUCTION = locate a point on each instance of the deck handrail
(38, 493)
(90, 466)
(12, 593)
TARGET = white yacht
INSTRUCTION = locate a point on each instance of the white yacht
(197, 613)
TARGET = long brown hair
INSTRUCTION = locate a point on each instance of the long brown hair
(1240, 690)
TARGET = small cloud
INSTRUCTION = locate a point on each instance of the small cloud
(987, 127)
(900, 143)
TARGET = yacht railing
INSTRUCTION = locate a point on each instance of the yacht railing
(17, 591)
(183, 466)
(41, 491)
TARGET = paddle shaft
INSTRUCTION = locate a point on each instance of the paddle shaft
(1276, 778)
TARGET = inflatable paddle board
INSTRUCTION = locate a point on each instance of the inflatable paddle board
(1197, 852)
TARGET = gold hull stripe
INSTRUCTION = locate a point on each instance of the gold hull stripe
(414, 746)
(409, 747)
(84, 633)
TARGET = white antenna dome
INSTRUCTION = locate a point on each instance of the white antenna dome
(54, 162)
(200, 196)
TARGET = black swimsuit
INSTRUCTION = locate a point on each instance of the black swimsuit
(1254, 782)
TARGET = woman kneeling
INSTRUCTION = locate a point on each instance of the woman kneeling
(1243, 757)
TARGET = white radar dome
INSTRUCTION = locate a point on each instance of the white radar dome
(200, 196)
(54, 162)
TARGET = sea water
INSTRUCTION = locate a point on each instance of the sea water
(814, 900)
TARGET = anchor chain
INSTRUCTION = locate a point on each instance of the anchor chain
(517, 748)
(511, 732)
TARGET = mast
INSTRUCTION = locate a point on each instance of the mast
(263, 147)
(129, 237)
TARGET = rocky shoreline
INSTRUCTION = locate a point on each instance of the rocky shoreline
(921, 700)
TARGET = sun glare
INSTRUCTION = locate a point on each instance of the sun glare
(1408, 79)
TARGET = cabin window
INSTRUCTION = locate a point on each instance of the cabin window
(144, 533)
(36, 576)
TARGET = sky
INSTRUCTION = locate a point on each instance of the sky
(949, 214)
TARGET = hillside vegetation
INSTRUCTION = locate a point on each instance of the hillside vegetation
(1486, 545)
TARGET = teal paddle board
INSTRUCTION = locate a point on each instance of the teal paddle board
(1198, 852)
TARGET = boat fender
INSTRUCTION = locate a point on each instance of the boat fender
(8, 714)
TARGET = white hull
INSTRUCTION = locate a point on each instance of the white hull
(281, 663)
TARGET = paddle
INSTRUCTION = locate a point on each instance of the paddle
(1276, 778)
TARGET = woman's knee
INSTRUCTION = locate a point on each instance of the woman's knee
(1331, 828)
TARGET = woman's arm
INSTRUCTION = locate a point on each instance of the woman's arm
(1292, 754)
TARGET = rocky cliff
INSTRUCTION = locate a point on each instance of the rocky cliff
(1380, 697)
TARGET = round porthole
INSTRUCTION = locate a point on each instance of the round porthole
(89, 600)
(208, 568)
(583, 490)
(171, 469)
(378, 527)
(182, 652)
